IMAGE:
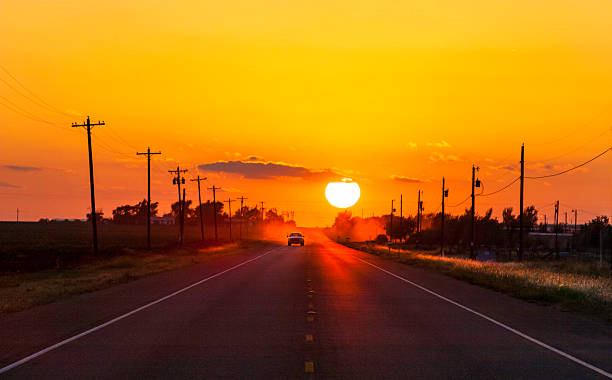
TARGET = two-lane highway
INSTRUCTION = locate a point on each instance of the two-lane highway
(321, 310)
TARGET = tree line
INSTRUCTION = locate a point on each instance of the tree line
(489, 231)
(136, 214)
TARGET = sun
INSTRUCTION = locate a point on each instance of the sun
(342, 194)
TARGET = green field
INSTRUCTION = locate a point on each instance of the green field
(32, 246)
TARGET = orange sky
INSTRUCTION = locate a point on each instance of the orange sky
(371, 90)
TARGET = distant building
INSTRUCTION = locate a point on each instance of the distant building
(565, 228)
(547, 240)
(165, 220)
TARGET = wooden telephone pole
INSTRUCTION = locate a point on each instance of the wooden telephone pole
(148, 153)
(262, 211)
(444, 195)
(178, 181)
(214, 189)
(94, 219)
(229, 212)
(475, 183)
(391, 222)
(241, 213)
(200, 200)
(418, 223)
(520, 252)
(401, 223)
(557, 230)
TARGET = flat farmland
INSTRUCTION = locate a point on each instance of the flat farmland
(33, 246)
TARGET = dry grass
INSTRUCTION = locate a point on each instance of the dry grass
(571, 285)
(19, 291)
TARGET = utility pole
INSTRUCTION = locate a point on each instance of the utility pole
(475, 183)
(391, 222)
(520, 252)
(444, 195)
(148, 154)
(575, 234)
(200, 201)
(17, 214)
(241, 213)
(183, 217)
(557, 230)
(215, 210)
(178, 181)
(418, 223)
(229, 205)
(88, 125)
(262, 211)
(401, 218)
(601, 234)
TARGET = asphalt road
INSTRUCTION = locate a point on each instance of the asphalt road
(318, 311)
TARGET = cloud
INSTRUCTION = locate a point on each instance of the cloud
(22, 168)
(441, 157)
(402, 178)
(412, 144)
(439, 144)
(510, 168)
(254, 168)
(4, 184)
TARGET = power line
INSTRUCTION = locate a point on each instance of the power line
(101, 144)
(607, 130)
(23, 110)
(574, 168)
(117, 137)
(499, 190)
(579, 209)
(460, 203)
(39, 101)
(29, 115)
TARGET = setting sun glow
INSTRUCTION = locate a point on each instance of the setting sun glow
(342, 194)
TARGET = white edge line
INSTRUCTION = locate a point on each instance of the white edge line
(93, 329)
(512, 330)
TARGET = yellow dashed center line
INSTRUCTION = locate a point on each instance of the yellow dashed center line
(309, 367)
(309, 364)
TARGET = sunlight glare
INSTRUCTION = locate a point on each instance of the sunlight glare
(342, 194)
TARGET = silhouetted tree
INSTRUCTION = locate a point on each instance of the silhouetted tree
(208, 212)
(272, 217)
(99, 216)
(136, 214)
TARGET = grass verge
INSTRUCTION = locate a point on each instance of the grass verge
(20, 291)
(571, 286)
